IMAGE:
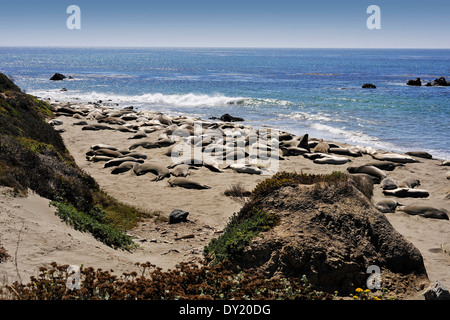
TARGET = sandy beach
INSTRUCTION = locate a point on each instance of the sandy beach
(30, 229)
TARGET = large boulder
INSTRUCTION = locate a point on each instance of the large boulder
(369, 86)
(331, 233)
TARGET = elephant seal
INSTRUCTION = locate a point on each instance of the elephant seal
(393, 157)
(425, 211)
(103, 146)
(181, 170)
(123, 167)
(104, 152)
(118, 161)
(157, 169)
(407, 192)
(370, 170)
(345, 152)
(293, 151)
(331, 160)
(138, 135)
(144, 144)
(187, 183)
(445, 163)
(137, 155)
(409, 183)
(386, 205)
(321, 147)
(388, 184)
(384, 165)
(96, 158)
(419, 154)
(244, 168)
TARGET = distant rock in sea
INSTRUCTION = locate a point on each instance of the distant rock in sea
(369, 86)
(228, 118)
(416, 82)
(441, 82)
(58, 77)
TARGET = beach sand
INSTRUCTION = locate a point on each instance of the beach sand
(30, 229)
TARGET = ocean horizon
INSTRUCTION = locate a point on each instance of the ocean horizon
(315, 91)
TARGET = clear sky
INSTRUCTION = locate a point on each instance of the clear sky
(227, 23)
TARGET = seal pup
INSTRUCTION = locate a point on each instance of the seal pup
(388, 184)
(424, 211)
(321, 147)
(145, 145)
(409, 183)
(244, 168)
(182, 170)
(118, 161)
(186, 183)
(419, 154)
(393, 157)
(407, 192)
(331, 160)
(387, 205)
(104, 152)
(370, 170)
(97, 158)
(384, 165)
(123, 167)
(157, 169)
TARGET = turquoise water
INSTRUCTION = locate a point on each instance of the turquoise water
(315, 91)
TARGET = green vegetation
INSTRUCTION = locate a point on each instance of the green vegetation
(250, 221)
(34, 156)
(94, 222)
(238, 234)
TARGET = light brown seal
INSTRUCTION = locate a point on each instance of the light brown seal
(187, 183)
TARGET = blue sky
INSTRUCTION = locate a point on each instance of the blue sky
(231, 23)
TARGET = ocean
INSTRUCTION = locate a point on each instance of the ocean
(314, 91)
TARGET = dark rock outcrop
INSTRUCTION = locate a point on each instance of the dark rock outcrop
(331, 233)
(58, 77)
(440, 82)
(416, 82)
(228, 118)
(369, 86)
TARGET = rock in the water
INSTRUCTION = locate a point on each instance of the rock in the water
(178, 215)
(369, 86)
(58, 77)
(228, 118)
(437, 291)
(438, 82)
(416, 82)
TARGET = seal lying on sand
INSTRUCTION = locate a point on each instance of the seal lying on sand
(370, 170)
(123, 167)
(384, 165)
(187, 183)
(386, 205)
(407, 192)
(181, 170)
(409, 183)
(393, 157)
(331, 160)
(420, 154)
(424, 211)
(118, 161)
(157, 169)
(389, 184)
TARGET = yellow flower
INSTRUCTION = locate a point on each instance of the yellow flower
(367, 290)
(359, 290)
(355, 297)
(376, 298)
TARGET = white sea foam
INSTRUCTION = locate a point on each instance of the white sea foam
(159, 99)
